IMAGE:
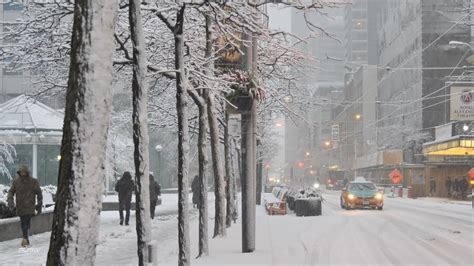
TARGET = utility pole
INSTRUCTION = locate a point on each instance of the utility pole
(248, 150)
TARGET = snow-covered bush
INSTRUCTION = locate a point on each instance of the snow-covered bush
(7, 153)
(3, 193)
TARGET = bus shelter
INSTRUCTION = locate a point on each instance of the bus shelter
(35, 131)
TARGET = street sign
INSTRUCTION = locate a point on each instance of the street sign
(462, 103)
(335, 133)
(396, 176)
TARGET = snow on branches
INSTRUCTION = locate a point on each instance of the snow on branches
(7, 153)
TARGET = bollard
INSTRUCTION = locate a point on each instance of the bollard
(392, 190)
(152, 250)
(400, 192)
(410, 192)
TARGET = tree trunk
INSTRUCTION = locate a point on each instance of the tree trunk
(140, 132)
(219, 182)
(87, 116)
(229, 191)
(203, 163)
(259, 174)
(234, 191)
(184, 253)
(239, 161)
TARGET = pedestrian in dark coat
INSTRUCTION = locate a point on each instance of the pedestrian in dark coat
(464, 187)
(456, 187)
(432, 186)
(125, 187)
(28, 199)
(155, 191)
(449, 185)
(195, 187)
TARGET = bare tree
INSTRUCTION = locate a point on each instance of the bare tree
(88, 103)
(183, 140)
(229, 180)
(203, 241)
(140, 132)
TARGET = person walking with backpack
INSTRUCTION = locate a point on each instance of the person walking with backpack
(28, 199)
(125, 188)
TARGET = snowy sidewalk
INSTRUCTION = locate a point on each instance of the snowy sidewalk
(446, 200)
(117, 244)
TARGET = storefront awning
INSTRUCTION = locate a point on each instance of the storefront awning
(455, 146)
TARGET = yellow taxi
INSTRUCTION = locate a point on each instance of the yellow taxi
(361, 193)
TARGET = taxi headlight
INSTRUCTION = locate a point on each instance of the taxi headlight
(350, 197)
(379, 196)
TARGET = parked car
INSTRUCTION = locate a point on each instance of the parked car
(361, 193)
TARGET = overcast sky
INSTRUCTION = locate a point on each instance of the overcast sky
(280, 18)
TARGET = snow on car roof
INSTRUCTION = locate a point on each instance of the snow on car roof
(360, 179)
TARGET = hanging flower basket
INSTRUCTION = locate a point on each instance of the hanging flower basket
(245, 91)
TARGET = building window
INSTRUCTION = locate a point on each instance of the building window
(359, 14)
(12, 5)
(359, 46)
(359, 56)
(359, 35)
(359, 4)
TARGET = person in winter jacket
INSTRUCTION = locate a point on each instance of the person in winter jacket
(195, 186)
(464, 186)
(449, 186)
(125, 187)
(432, 186)
(155, 191)
(28, 199)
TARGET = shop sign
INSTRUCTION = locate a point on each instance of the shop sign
(462, 103)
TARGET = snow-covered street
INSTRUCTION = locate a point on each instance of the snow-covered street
(407, 231)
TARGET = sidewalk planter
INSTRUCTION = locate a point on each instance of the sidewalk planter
(291, 200)
(305, 202)
(308, 207)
